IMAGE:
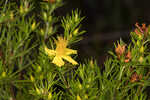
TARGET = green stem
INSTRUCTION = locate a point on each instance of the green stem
(121, 72)
(65, 82)
(63, 79)
(5, 4)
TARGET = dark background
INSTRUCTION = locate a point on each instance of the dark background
(106, 21)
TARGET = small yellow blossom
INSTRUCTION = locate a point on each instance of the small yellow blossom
(61, 52)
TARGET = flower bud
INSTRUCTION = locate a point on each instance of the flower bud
(11, 15)
(47, 6)
(31, 78)
(89, 80)
(78, 97)
(70, 35)
(80, 86)
(92, 63)
(67, 26)
(3, 74)
(21, 10)
(76, 31)
(42, 32)
(141, 59)
(86, 96)
(50, 18)
(76, 17)
(45, 16)
(87, 86)
(26, 6)
(3, 14)
(26, 9)
(138, 43)
(49, 96)
(58, 1)
(52, 1)
(41, 76)
(11, 98)
(50, 30)
(120, 50)
(38, 91)
(140, 37)
(38, 68)
(33, 25)
(142, 49)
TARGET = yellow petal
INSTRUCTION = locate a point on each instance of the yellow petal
(61, 42)
(69, 59)
(58, 61)
(50, 52)
(70, 51)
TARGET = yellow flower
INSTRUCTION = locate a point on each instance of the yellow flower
(61, 52)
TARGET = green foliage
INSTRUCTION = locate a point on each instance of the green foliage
(28, 70)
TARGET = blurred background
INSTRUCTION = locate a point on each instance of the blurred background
(106, 21)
